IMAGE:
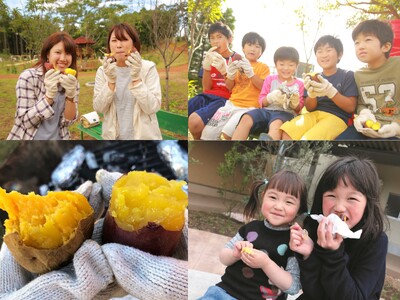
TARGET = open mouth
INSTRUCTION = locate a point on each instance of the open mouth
(344, 218)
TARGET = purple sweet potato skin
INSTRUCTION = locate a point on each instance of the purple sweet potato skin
(152, 238)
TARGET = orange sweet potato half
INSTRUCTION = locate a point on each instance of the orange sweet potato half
(44, 232)
(146, 212)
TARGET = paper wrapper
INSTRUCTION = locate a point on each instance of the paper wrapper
(339, 226)
(90, 119)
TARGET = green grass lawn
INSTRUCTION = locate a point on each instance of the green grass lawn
(177, 90)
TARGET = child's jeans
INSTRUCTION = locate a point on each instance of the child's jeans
(216, 293)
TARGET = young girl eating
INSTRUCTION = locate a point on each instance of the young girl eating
(333, 267)
(259, 263)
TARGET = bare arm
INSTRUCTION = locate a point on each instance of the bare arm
(257, 82)
(229, 84)
(259, 259)
(206, 80)
(347, 104)
(311, 103)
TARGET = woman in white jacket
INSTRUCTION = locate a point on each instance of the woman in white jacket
(127, 89)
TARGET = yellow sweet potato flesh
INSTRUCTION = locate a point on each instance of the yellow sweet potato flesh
(44, 222)
(140, 197)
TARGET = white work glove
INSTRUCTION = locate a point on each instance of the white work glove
(386, 131)
(208, 59)
(69, 82)
(247, 68)
(84, 278)
(110, 69)
(100, 271)
(51, 80)
(390, 130)
(233, 68)
(219, 62)
(294, 101)
(322, 88)
(307, 85)
(307, 81)
(363, 116)
(277, 97)
(134, 62)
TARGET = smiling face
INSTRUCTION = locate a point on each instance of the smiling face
(346, 202)
(327, 58)
(369, 50)
(286, 69)
(279, 208)
(121, 48)
(59, 58)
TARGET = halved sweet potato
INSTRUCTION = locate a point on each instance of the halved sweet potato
(146, 212)
(44, 232)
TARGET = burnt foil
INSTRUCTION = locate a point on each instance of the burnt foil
(66, 172)
(80, 165)
(175, 157)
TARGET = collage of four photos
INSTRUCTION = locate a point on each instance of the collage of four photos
(192, 149)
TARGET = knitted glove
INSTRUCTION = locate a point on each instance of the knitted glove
(209, 58)
(110, 69)
(51, 80)
(276, 97)
(307, 81)
(322, 88)
(390, 130)
(359, 123)
(219, 62)
(307, 85)
(233, 68)
(86, 276)
(69, 83)
(93, 192)
(294, 101)
(147, 276)
(134, 61)
(91, 274)
(362, 117)
(247, 68)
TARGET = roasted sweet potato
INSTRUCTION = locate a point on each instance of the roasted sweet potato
(44, 232)
(146, 212)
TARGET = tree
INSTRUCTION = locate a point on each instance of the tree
(32, 29)
(384, 9)
(260, 162)
(166, 25)
(4, 26)
(90, 18)
(310, 24)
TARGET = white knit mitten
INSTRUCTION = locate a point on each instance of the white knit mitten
(106, 180)
(147, 276)
(83, 279)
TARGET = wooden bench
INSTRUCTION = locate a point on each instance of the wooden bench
(173, 127)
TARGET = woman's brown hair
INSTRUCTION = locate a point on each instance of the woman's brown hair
(53, 39)
(119, 30)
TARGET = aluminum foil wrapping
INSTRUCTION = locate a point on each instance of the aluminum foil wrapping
(175, 157)
(66, 173)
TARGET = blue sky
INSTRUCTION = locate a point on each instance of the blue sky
(276, 21)
(15, 3)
